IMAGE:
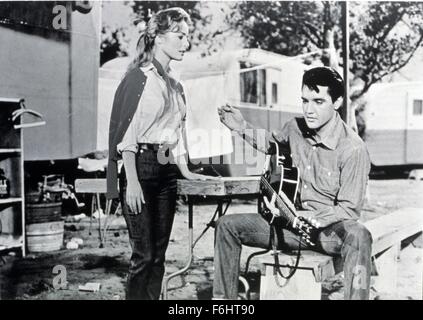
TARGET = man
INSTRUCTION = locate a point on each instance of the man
(334, 166)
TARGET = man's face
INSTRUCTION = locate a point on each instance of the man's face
(318, 107)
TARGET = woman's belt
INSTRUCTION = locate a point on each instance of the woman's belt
(150, 146)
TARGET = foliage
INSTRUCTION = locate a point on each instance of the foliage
(383, 38)
(287, 27)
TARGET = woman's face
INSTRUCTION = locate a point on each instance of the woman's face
(174, 43)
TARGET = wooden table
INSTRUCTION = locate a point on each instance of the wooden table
(223, 190)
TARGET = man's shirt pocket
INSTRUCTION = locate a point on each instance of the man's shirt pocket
(327, 180)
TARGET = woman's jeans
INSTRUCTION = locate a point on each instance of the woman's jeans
(149, 231)
(348, 239)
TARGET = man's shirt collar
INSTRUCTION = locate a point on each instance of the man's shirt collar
(332, 139)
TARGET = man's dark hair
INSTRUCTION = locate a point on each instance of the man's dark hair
(325, 77)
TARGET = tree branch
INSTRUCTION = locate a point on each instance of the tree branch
(375, 79)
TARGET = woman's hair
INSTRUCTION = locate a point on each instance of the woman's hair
(161, 22)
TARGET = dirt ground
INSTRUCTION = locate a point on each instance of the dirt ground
(31, 278)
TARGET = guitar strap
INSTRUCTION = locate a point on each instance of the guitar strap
(277, 267)
(268, 216)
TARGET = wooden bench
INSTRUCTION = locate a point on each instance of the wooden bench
(387, 231)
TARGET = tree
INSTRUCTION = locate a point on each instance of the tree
(289, 28)
(384, 37)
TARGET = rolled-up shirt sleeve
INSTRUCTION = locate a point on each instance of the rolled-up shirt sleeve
(129, 141)
(354, 175)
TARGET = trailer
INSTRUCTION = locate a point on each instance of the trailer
(53, 65)
(265, 86)
(394, 124)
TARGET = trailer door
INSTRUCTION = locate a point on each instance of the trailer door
(414, 130)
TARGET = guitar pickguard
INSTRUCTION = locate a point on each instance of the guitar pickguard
(284, 177)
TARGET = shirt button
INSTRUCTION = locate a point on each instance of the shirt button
(308, 167)
(305, 186)
(314, 147)
(305, 204)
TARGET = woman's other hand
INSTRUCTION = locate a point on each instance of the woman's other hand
(134, 197)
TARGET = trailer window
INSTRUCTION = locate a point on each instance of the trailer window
(274, 93)
(253, 85)
(417, 107)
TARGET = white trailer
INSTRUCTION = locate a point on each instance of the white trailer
(394, 123)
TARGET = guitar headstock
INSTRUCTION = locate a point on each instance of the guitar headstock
(306, 229)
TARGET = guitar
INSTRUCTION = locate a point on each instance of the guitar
(282, 182)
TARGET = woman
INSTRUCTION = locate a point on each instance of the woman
(146, 129)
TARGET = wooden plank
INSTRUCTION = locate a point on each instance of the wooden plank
(90, 186)
(391, 229)
(320, 265)
(387, 270)
(10, 200)
(222, 187)
(201, 188)
(10, 150)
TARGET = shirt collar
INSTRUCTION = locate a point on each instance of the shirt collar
(156, 65)
(331, 140)
(146, 68)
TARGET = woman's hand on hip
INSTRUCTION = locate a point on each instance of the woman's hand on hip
(134, 197)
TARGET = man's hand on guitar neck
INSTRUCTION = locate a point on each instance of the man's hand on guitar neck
(270, 205)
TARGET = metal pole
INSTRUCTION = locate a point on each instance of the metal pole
(345, 113)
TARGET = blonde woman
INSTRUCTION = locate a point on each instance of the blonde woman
(147, 129)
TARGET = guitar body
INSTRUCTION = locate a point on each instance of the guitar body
(281, 179)
(283, 176)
